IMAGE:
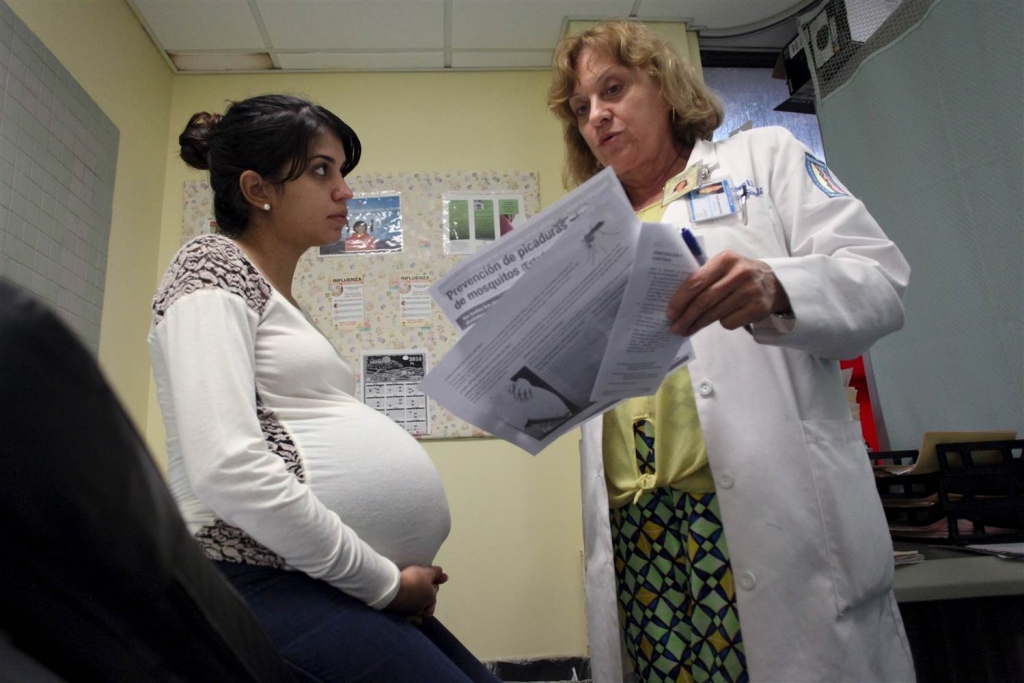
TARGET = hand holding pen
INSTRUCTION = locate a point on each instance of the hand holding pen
(731, 289)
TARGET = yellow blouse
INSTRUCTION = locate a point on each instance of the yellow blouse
(680, 457)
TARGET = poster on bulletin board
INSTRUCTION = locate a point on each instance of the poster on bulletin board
(347, 309)
(415, 304)
(374, 226)
(474, 221)
(378, 301)
(391, 386)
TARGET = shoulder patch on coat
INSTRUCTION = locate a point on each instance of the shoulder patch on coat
(822, 177)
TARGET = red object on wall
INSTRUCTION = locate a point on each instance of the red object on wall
(867, 417)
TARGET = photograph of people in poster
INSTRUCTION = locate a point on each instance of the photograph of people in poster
(475, 221)
(391, 386)
(374, 226)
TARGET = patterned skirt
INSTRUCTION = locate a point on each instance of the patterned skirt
(677, 598)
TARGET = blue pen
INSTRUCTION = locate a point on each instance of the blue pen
(694, 246)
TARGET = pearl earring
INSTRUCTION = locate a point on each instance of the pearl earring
(266, 207)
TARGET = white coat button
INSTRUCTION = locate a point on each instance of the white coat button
(747, 581)
(706, 388)
(725, 481)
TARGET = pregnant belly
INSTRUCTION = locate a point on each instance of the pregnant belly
(381, 483)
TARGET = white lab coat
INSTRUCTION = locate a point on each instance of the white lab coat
(807, 536)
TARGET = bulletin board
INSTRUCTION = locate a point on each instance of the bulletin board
(422, 256)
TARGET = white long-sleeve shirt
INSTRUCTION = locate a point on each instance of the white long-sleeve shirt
(271, 459)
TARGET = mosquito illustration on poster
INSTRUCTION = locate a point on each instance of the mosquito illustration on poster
(593, 241)
(570, 217)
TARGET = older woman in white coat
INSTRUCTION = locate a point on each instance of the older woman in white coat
(752, 441)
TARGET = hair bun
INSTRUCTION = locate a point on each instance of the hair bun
(195, 139)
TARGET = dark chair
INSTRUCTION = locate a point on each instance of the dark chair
(99, 577)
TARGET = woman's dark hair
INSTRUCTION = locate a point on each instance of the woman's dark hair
(268, 134)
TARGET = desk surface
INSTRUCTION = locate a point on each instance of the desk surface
(950, 575)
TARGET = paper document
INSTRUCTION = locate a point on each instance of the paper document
(642, 347)
(940, 529)
(903, 557)
(1013, 551)
(527, 367)
(928, 460)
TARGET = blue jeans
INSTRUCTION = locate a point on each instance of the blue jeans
(326, 636)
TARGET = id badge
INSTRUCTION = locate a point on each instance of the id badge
(712, 200)
(682, 183)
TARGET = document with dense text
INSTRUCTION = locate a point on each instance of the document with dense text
(585, 328)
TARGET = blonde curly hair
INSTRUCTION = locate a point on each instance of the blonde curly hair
(696, 111)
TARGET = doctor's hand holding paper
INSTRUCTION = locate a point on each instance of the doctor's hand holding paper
(730, 289)
(741, 508)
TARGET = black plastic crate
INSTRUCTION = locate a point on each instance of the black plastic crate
(899, 486)
(983, 482)
(913, 516)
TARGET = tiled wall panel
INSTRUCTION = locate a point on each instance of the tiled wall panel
(58, 153)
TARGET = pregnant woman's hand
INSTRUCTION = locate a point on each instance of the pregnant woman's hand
(417, 593)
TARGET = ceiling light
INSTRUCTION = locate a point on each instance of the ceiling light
(259, 61)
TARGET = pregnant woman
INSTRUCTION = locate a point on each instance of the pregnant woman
(324, 514)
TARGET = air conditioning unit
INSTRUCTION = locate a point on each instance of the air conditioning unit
(823, 46)
(824, 37)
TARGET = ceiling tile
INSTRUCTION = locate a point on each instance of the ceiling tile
(201, 24)
(529, 24)
(772, 39)
(353, 24)
(362, 61)
(533, 59)
(410, 34)
(715, 13)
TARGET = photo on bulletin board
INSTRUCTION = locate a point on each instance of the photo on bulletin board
(473, 221)
(374, 226)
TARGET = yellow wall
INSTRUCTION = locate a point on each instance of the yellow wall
(106, 50)
(514, 552)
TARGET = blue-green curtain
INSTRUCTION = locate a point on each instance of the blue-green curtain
(929, 132)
